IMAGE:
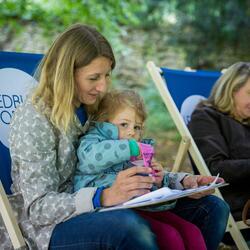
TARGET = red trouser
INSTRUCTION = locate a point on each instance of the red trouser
(173, 232)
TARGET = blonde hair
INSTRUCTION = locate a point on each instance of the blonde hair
(115, 100)
(56, 91)
(232, 80)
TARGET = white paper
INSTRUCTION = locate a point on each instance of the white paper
(164, 194)
(158, 194)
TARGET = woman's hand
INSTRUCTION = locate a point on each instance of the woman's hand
(194, 181)
(158, 173)
(128, 184)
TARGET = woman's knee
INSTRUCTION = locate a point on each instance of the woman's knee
(220, 207)
(222, 211)
(218, 212)
(134, 224)
(134, 228)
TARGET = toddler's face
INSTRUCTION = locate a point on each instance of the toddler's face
(129, 124)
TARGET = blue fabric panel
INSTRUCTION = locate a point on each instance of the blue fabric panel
(23, 61)
(182, 84)
(5, 166)
(28, 63)
(81, 114)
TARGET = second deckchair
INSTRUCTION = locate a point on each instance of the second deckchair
(174, 97)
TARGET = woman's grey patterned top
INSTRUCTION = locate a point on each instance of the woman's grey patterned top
(43, 165)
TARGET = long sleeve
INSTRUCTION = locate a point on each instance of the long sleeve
(43, 166)
(173, 180)
(97, 153)
(224, 143)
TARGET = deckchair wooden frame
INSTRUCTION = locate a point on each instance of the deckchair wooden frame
(187, 144)
(10, 221)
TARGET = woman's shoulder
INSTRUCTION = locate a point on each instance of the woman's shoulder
(205, 110)
(27, 115)
(31, 127)
(210, 114)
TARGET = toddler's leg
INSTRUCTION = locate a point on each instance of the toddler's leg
(168, 238)
(190, 233)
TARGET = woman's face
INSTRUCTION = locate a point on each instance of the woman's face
(92, 80)
(242, 101)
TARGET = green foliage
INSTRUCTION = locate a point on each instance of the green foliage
(202, 34)
(159, 119)
(54, 16)
(213, 33)
(20, 12)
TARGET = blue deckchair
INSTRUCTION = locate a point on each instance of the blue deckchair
(8, 101)
(181, 91)
(15, 80)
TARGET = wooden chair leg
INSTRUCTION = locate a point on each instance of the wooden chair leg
(236, 234)
(10, 221)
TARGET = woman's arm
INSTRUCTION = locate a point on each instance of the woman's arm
(174, 180)
(36, 172)
(129, 183)
(206, 131)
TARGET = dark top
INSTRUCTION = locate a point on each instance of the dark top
(225, 146)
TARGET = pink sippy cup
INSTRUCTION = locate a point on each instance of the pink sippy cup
(147, 152)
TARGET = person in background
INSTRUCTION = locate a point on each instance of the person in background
(112, 143)
(220, 127)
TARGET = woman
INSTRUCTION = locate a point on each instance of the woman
(73, 76)
(221, 129)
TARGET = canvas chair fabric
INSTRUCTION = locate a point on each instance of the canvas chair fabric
(180, 91)
(16, 70)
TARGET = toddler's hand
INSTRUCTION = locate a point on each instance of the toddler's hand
(158, 173)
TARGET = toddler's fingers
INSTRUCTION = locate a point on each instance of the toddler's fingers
(157, 167)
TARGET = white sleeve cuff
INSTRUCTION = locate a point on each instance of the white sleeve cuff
(83, 200)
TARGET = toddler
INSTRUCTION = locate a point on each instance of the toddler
(113, 143)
